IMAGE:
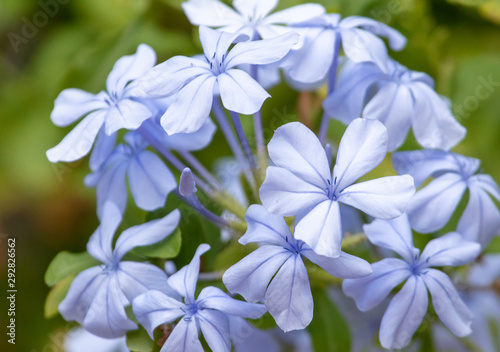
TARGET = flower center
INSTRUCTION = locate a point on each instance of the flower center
(217, 65)
(331, 189)
(191, 309)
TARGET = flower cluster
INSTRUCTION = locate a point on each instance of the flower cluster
(297, 228)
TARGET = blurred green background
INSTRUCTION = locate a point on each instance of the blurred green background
(49, 45)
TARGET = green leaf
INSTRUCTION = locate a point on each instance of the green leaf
(329, 330)
(56, 295)
(65, 264)
(139, 341)
(165, 249)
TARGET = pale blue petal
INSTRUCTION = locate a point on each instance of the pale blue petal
(72, 103)
(99, 245)
(292, 197)
(344, 266)
(362, 147)
(321, 229)
(312, 61)
(80, 340)
(214, 298)
(255, 8)
(184, 281)
(421, 164)
(215, 328)
(81, 294)
(393, 106)
(251, 275)
(130, 67)
(481, 218)
(79, 141)
(289, 298)
(265, 227)
(296, 148)
(191, 106)
(136, 278)
(433, 124)
(261, 52)
(216, 43)
(404, 314)
(128, 114)
(103, 148)
(106, 316)
(295, 14)
(447, 303)
(352, 220)
(487, 183)
(396, 40)
(383, 198)
(154, 308)
(240, 92)
(371, 290)
(360, 45)
(348, 99)
(451, 249)
(268, 76)
(191, 141)
(146, 234)
(184, 338)
(150, 181)
(247, 338)
(111, 187)
(393, 234)
(212, 13)
(170, 76)
(486, 271)
(432, 206)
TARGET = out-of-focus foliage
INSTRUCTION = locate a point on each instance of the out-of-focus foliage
(49, 45)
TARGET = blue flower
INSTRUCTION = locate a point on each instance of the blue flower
(432, 206)
(302, 185)
(97, 296)
(324, 35)
(402, 98)
(149, 179)
(210, 312)
(409, 306)
(120, 107)
(276, 274)
(194, 81)
(252, 17)
(484, 301)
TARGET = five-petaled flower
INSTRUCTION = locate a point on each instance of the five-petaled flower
(195, 81)
(409, 306)
(399, 98)
(252, 17)
(97, 296)
(276, 272)
(211, 311)
(122, 106)
(433, 205)
(302, 185)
